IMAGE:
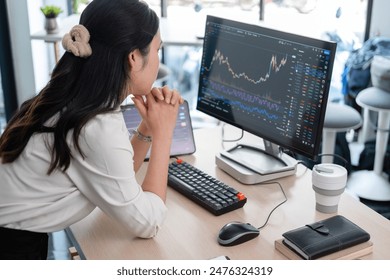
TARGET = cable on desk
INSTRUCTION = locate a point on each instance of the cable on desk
(268, 183)
(304, 164)
(281, 188)
(230, 140)
(337, 156)
(309, 163)
(277, 206)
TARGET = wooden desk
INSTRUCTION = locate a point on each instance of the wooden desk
(190, 232)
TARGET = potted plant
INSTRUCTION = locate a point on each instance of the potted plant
(51, 12)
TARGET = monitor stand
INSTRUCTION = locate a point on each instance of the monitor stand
(252, 165)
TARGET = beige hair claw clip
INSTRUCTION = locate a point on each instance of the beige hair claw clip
(77, 41)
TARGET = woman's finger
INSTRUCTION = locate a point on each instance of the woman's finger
(167, 92)
(157, 93)
(176, 97)
(139, 104)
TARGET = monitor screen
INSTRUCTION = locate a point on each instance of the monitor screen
(270, 83)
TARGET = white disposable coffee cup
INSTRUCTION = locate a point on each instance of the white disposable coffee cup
(329, 182)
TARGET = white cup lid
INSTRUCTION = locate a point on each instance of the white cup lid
(329, 175)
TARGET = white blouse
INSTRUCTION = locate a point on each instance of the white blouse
(103, 177)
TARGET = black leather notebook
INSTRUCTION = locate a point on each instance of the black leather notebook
(324, 237)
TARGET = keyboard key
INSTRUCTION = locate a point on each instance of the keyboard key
(203, 189)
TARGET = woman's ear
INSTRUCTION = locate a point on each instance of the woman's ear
(135, 60)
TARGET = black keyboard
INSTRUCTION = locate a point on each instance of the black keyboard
(203, 189)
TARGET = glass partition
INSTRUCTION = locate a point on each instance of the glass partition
(340, 21)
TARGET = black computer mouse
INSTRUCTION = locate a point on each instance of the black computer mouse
(235, 233)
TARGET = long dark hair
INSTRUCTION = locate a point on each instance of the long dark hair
(81, 88)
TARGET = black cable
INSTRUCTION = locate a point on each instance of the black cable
(304, 164)
(285, 200)
(337, 156)
(231, 140)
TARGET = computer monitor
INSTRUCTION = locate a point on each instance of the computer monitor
(270, 83)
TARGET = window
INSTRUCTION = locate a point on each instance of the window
(336, 20)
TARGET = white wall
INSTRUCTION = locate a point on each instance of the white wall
(40, 49)
(21, 48)
(42, 52)
(380, 20)
(32, 59)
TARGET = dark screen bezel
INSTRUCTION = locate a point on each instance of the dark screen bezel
(331, 46)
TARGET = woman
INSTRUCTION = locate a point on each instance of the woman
(67, 150)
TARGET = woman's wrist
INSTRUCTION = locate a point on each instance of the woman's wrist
(143, 129)
(141, 136)
(142, 133)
